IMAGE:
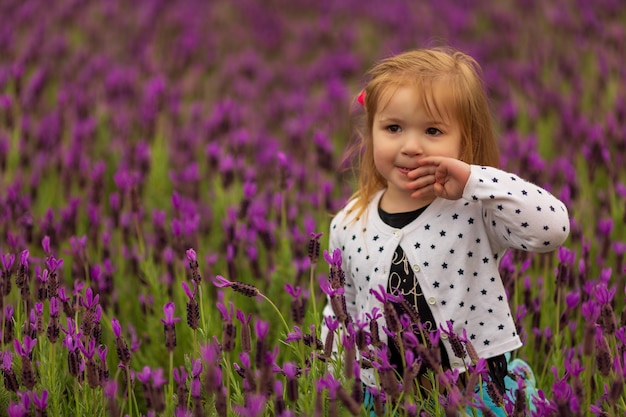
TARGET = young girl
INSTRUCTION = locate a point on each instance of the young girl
(433, 215)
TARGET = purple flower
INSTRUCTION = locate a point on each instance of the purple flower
(144, 375)
(227, 315)
(262, 328)
(24, 349)
(24, 258)
(7, 261)
(602, 294)
(294, 292)
(89, 350)
(191, 294)
(53, 264)
(335, 259)
(117, 328)
(255, 406)
(221, 282)
(331, 323)
(383, 296)
(180, 375)
(168, 311)
(296, 335)
(157, 378)
(191, 255)
(330, 383)
(45, 244)
(41, 402)
(290, 370)
(102, 353)
(89, 301)
(7, 360)
(196, 368)
(327, 288)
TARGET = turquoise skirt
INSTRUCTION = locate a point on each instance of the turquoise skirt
(518, 369)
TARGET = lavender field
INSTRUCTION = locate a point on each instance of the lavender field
(168, 172)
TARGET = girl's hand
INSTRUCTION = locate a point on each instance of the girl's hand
(442, 176)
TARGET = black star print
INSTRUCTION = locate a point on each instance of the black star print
(460, 235)
(518, 211)
(376, 238)
(417, 245)
(470, 220)
(494, 179)
(436, 284)
(500, 207)
(359, 250)
(442, 233)
(455, 216)
(432, 247)
(485, 260)
(452, 251)
(470, 254)
(367, 278)
(473, 336)
(525, 224)
(486, 342)
(460, 271)
(427, 227)
(472, 307)
(501, 327)
(538, 208)
(426, 264)
(490, 311)
(444, 265)
(484, 292)
(524, 192)
(461, 304)
(552, 209)
(380, 249)
(500, 298)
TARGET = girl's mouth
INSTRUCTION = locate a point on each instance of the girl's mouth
(404, 170)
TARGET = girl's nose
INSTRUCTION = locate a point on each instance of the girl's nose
(411, 146)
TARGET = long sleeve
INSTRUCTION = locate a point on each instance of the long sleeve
(516, 213)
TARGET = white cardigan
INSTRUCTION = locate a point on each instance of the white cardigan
(455, 248)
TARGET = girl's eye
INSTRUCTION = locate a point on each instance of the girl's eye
(433, 131)
(394, 128)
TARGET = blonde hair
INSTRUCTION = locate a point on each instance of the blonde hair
(423, 68)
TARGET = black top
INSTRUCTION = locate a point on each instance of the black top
(402, 281)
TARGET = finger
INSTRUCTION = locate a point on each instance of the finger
(423, 191)
(421, 182)
(421, 171)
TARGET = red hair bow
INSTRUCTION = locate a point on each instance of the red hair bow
(361, 98)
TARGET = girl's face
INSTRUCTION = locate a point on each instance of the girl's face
(404, 131)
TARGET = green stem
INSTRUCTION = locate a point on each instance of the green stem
(129, 391)
(204, 325)
(170, 389)
(312, 291)
(277, 311)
